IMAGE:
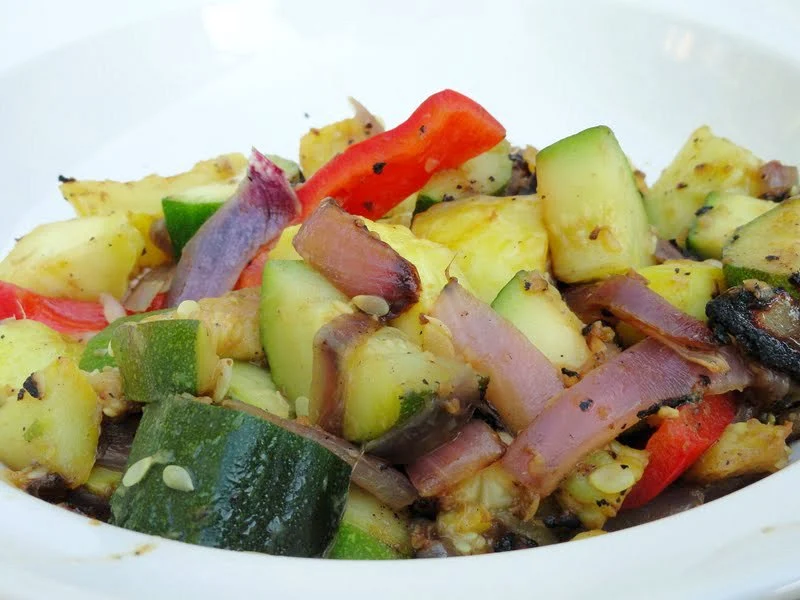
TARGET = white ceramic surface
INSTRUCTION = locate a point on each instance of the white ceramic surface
(92, 90)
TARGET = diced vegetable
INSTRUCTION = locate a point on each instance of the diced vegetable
(493, 238)
(186, 211)
(212, 261)
(53, 422)
(320, 145)
(535, 307)
(678, 442)
(372, 177)
(598, 485)
(370, 530)
(296, 301)
(254, 486)
(486, 174)
(144, 195)
(592, 208)
(706, 163)
(716, 221)
(252, 384)
(103, 481)
(768, 249)
(284, 247)
(78, 259)
(747, 448)
(153, 255)
(27, 346)
(96, 355)
(162, 358)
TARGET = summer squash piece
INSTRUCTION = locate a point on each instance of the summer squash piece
(214, 258)
(254, 486)
(607, 401)
(371, 177)
(96, 355)
(521, 379)
(357, 262)
(679, 442)
(252, 384)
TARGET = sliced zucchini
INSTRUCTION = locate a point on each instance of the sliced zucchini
(370, 530)
(254, 486)
(493, 238)
(53, 422)
(27, 346)
(79, 258)
(705, 164)
(162, 358)
(536, 308)
(388, 379)
(715, 221)
(186, 211)
(486, 174)
(768, 249)
(103, 481)
(296, 301)
(592, 208)
(253, 385)
(96, 356)
(290, 168)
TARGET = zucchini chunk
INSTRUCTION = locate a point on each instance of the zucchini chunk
(27, 346)
(296, 301)
(486, 174)
(706, 163)
(767, 249)
(536, 308)
(763, 321)
(255, 486)
(253, 385)
(715, 222)
(79, 258)
(186, 211)
(53, 422)
(370, 530)
(493, 238)
(162, 358)
(593, 210)
(96, 355)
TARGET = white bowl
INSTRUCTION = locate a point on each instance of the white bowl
(93, 92)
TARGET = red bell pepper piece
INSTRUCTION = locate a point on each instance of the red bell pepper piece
(252, 274)
(373, 176)
(62, 314)
(679, 442)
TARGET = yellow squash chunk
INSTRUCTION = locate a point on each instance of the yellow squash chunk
(54, 424)
(318, 146)
(283, 248)
(27, 346)
(493, 238)
(705, 164)
(144, 196)
(79, 258)
(152, 255)
(747, 448)
(597, 487)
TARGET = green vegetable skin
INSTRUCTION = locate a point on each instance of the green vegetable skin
(257, 486)
(161, 358)
(253, 385)
(96, 356)
(295, 302)
(716, 221)
(768, 249)
(487, 174)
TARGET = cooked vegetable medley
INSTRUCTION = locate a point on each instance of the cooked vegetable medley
(417, 342)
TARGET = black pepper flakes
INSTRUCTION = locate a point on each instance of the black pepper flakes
(702, 210)
(771, 257)
(527, 285)
(585, 405)
(568, 372)
(368, 206)
(602, 502)
(794, 279)
(377, 168)
(31, 386)
(64, 179)
(681, 185)
(594, 234)
(422, 129)
(705, 380)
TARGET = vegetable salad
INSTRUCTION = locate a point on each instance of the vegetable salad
(413, 342)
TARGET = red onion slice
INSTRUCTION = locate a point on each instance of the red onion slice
(629, 299)
(476, 446)
(375, 476)
(356, 261)
(331, 344)
(521, 379)
(607, 401)
(211, 262)
(141, 295)
(777, 180)
(666, 250)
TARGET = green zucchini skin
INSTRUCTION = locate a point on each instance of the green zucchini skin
(96, 356)
(352, 543)
(257, 486)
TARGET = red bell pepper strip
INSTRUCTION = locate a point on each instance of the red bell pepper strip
(62, 314)
(373, 176)
(252, 274)
(679, 442)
